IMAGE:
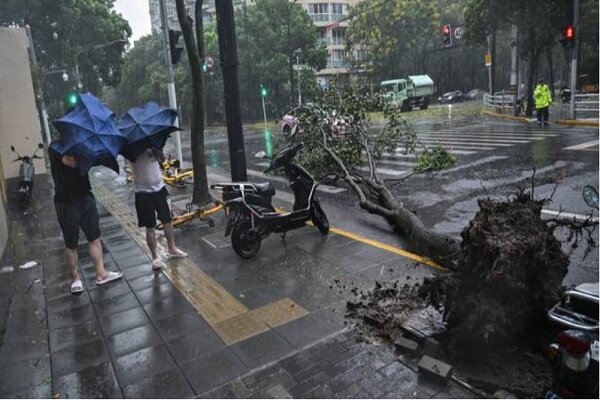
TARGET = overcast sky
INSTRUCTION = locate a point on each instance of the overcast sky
(137, 13)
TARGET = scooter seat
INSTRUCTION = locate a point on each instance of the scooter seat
(265, 188)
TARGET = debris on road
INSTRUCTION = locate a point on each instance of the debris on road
(6, 269)
(28, 265)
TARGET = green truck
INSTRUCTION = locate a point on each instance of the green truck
(407, 93)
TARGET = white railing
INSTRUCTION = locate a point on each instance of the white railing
(500, 103)
(586, 106)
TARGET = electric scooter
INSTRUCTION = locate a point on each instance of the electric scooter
(251, 215)
(26, 174)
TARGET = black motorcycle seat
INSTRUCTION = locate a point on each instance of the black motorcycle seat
(265, 188)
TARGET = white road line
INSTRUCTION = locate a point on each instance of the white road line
(452, 151)
(477, 140)
(458, 146)
(483, 136)
(568, 216)
(384, 171)
(408, 164)
(583, 145)
(516, 133)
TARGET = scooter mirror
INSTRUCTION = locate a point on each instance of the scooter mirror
(12, 148)
(40, 146)
(590, 195)
(260, 154)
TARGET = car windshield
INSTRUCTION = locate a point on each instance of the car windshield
(389, 88)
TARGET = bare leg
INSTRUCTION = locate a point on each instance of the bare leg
(151, 241)
(71, 260)
(170, 235)
(95, 249)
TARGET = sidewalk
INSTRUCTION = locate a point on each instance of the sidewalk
(212, 325)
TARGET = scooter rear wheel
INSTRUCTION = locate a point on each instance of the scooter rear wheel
(245, 242)
(319, 218)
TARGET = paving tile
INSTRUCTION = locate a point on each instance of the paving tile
(62, 338)
(195, 345)
(261, 349)
(114, 289)
(76, 358)
(146, 281)
(116, 304)
(67, 302)
(17, 351)
(23, 375)
(211, 371)
(168, 307)
(41, 391)
(143, 363)
(307, 330)
(132, 340)
(169, 384)
(157, 293)
(138, 270)
(95, 382)
(128, 262)
(71, 317)
(182, 324)
(124, 320)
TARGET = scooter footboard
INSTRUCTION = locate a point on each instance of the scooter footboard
(285, 222)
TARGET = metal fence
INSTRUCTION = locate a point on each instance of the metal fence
(500, 102)
(586, 106)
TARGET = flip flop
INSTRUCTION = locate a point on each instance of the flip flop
(76, 287)
(179, 254)
(157, 264)
(112, 276)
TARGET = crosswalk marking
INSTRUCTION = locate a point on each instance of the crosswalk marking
(384, 171)
(451, 151)
(583, 146)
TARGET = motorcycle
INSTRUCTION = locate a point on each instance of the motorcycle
(251, 215)
(565, 95)
(26, 174)
(574, 352)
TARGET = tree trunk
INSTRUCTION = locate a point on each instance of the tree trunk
(195, 52)
(533, 65)
(494, 61)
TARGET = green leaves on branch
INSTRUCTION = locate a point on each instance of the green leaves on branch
(434, 159)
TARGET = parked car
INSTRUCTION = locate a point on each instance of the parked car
(290, 119)
(474, 94)
(452, 97)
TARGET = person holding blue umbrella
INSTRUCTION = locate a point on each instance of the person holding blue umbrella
(89, 137)
(147, 129)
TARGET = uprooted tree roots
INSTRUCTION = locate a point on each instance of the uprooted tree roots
(509, 273)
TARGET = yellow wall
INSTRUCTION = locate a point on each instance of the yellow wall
(19, 123)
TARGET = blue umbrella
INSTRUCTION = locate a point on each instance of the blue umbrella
(146, 127)
(90, 134)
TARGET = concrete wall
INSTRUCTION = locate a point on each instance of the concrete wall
(19, 123)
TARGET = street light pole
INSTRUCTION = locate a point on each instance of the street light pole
(299, 88)
(513, 69)
(42, 110)
(170, 76)
(574, 55)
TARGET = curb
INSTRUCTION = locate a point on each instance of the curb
(510, 117)
(574, 122)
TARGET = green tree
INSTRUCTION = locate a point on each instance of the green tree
(90, 34)
(267, 50)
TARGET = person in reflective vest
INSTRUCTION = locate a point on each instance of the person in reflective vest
(543, 99)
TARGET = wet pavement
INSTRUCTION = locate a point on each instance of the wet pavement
(214, 325)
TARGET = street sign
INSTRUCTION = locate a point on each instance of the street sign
(459, 32)
(488, 60)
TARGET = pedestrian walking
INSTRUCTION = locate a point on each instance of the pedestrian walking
(152, 199)
(75, 207)
(543, 99)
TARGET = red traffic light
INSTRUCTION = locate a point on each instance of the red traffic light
(569, 32)
(446, 30)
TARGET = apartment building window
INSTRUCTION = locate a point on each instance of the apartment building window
(362, 54)
(338, 36)
(338, 8)
(319, 12)
(323, 38)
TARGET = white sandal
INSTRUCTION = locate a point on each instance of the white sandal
(111, 276)
(76, 287)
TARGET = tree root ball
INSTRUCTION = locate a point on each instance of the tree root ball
(509, 274)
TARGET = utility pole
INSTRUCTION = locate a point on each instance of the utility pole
(574, 55)
(489, 67)
(42, 110)
(299, 89)
(170, 76)
(229, 63)
(514, 69)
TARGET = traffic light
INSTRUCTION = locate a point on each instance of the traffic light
(568, 38)
(263, 91)
(71, 99)
(447, 35)
(174, 45)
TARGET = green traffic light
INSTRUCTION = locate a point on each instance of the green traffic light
(263, 91)
(72, 99)
(204, 67)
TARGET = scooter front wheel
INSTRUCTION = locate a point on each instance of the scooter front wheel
(319, 218)
(244, 240)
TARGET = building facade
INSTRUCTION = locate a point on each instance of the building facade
(331, 19)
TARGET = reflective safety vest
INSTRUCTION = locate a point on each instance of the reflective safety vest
(542, 96)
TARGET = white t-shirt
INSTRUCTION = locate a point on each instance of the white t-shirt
(147, 176)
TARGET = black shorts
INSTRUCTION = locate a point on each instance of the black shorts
(149, 205)
(81, 213)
